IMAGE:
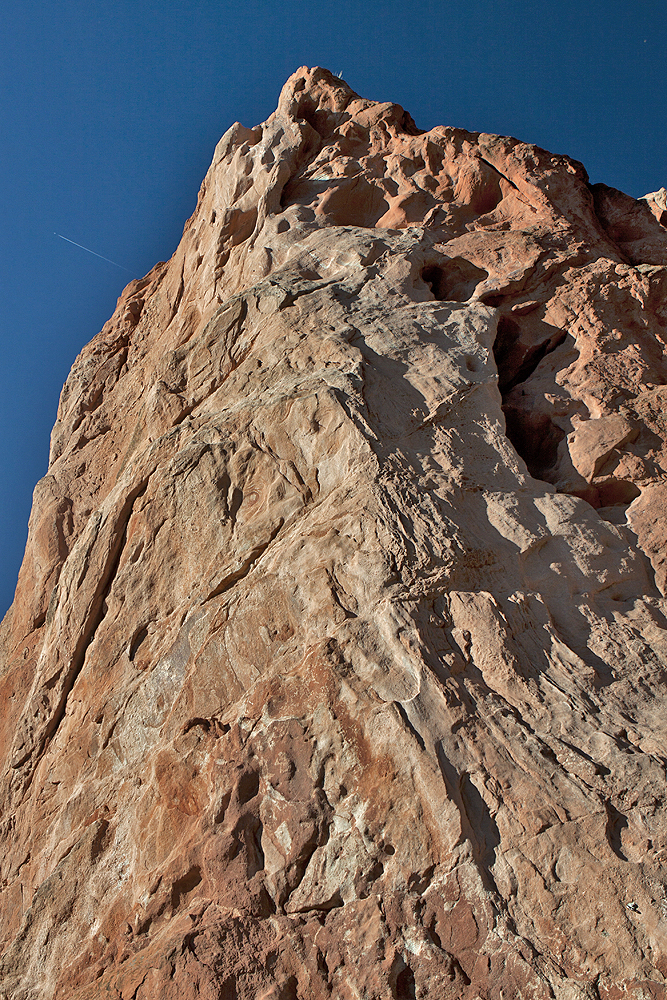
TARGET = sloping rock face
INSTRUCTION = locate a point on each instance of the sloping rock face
(337, 661)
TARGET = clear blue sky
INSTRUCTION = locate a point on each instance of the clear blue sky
(111, 110)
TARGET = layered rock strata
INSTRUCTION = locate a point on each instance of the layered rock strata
(336, 666)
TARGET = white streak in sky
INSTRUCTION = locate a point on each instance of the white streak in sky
(93, 253)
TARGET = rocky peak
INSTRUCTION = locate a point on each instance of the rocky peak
(336, 666)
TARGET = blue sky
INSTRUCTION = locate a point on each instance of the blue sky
(111, 110)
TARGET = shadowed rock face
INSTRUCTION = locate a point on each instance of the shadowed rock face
(337, 661)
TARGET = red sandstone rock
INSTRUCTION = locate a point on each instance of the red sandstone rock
(336, 666)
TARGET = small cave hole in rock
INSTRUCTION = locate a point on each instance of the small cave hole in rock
(516, 361)
(615, 492)
(534, 435)
(535, 438)
(288, 990)
(487, 197)
(139, 637)
(254, 848)
(376, 872)
(183, 886)
(248, 786)
(405, 985)
(197, 723)
(493, 299)
(228, 991)
(454, 281)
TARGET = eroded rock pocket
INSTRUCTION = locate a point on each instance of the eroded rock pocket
(533, 434)
(453, 281)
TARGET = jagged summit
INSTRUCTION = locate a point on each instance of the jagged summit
(336, 666)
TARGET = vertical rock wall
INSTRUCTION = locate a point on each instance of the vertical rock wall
(337, 661)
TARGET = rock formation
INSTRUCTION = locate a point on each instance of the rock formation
(336, 667)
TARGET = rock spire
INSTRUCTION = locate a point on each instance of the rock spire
(336, 667)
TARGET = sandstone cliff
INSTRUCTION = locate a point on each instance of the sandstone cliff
(337, 661)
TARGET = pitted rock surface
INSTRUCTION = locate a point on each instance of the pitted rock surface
(336, 667)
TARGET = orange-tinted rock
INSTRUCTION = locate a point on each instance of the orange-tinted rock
(337, 661)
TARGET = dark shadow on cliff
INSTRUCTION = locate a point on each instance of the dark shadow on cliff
(477, 824)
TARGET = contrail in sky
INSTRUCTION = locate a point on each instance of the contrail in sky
(94, 254)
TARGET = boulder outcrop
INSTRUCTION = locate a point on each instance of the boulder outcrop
(337, 661)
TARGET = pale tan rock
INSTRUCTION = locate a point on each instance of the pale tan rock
(593, 441)
(337, 661)
(657, 202)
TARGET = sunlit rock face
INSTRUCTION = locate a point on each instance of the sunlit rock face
(336, 667)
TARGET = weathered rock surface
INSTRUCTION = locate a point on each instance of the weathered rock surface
(337, 661)
(657, 202)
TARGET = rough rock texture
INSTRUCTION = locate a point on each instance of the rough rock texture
(657, 202)
(337, 661)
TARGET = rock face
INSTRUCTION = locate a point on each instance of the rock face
(337, 661)
(657, 202)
